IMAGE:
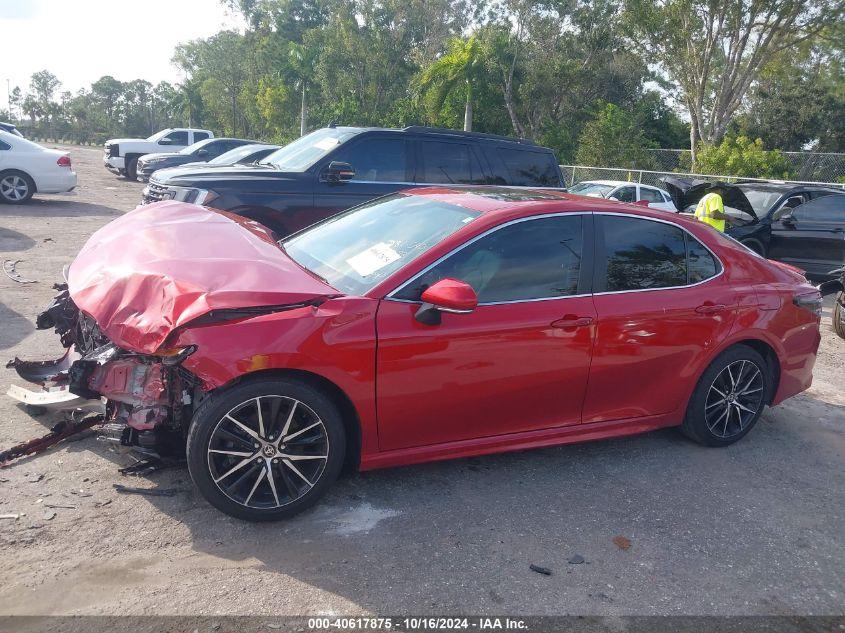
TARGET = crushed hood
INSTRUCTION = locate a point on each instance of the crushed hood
(686, 192)
(166, 264)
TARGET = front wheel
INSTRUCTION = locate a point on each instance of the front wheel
(266, 449)
(131, 172)
(839, 315)
(729, 398)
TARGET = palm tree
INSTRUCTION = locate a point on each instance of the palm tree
(461, 65)
(301, 60)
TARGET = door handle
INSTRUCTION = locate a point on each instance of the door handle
(572, 322)
(710, 308)
(838, 229)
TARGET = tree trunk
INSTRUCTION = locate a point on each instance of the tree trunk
(468, 110)
(303, 113)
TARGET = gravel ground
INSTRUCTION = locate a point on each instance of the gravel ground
(752, 529)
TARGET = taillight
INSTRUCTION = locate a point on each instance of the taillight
(811, 301)
(64, 161)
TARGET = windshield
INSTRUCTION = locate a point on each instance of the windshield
(761, 200)
(192, 149)
(235, 155)
(356, 250)
(590, 188)
(305, 151)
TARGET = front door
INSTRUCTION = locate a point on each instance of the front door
(382, 164)
(661, 304)
(811, 236)
(518, 362)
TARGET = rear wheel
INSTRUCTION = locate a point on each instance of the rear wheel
(729, 398)
(839, 315)
(266, 449)
(16, 187)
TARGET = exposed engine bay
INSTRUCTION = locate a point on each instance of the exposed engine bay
(147, 398)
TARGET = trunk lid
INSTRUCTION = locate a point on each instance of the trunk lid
(163, 265)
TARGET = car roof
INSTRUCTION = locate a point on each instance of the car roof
(783, 187)
(445, 132)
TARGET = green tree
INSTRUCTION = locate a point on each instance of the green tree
(460, 68)
(740, 156)
(614, 138)
(713, 50)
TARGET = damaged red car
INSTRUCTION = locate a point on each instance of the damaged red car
(430, 324)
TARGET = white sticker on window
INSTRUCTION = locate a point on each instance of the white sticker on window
(326, 144)
(374, 258)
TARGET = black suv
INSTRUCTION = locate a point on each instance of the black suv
(335, 168)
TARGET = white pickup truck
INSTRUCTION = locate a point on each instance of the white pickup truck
(122, 154)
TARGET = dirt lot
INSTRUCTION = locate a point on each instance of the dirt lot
(756, 528)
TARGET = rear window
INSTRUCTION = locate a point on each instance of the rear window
(530, 169)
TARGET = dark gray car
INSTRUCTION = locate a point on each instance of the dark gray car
(200, 152)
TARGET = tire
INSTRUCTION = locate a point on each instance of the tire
(16, 187)
(225, 445)
(132, 168)
(706, 421)
(756, 246)
(839, 315)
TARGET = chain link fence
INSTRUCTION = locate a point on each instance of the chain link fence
(578, 173)
(803, 166)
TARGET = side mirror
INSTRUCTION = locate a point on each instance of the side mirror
(202, 153)
(447, 295)
(337, 171)
(787, 220)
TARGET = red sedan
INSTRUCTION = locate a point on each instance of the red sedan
(426, 325)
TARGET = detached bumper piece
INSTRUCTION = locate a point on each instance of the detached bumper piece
(62, 430)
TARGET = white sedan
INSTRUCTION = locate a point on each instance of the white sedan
(27, 168)
(625, 192)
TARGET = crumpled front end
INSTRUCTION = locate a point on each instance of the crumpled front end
(146, 396)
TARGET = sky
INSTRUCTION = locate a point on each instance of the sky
(79, 41)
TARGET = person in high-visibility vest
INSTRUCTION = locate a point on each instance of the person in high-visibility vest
(711, 210)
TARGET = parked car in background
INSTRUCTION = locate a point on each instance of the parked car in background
(333, 169)
(836, 286)
(795, 224)
(120, 155)
(9, 127)
(27, 168)
(243, 155)
(199, 152)
(625, 191)
(437, 323)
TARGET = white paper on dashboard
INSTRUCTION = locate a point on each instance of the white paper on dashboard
(374, 258)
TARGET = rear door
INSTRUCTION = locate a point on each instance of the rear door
(518, 362)
(448, 162)
(383, 164)
(811, 236)
(661, 304)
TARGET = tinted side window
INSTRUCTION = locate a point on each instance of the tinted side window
(175, 138)
(701, 264)
(827, 209)
(4, 146)
(625, 194)
(200, 136)
(643, 254)
(530, 169)
(652, 195)
(452, 163)
(376, 159)
(533, 259)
